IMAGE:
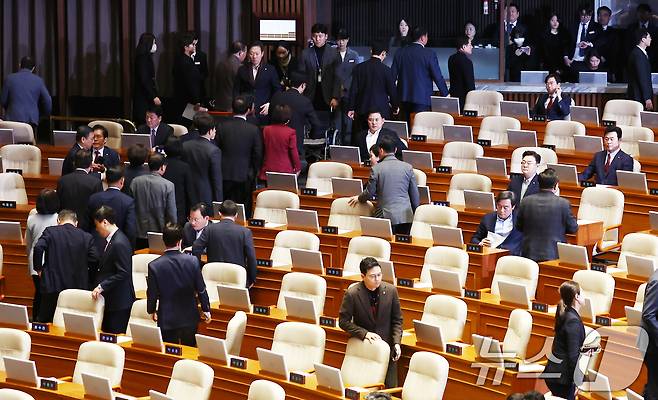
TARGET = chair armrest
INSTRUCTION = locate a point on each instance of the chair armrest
(116, 388)
(617, 245)
(66, 379)
(391, 391)
(379, 386)
(485, 290)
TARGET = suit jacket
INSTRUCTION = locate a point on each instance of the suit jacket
(205, 160)
(225, 78)
(124, 210)
(394, 183)
(69, 255)
(23, 93)
(559, 110)
(187, 83)
(155, 203)
(592, 35)
(544, 219)
(569, 339)
(488, 224)
(74, 191)
(516, 183)
(462, 77)
(131, 173)
(175, 281)
(145, 89)
(226, 241)
(68, 164)
(262, 88)
(180, 174)
(330, 82)
(163, 133)
(344, 71)
(280, 144)
(189, 234)
(608, 45)
(303, 114)
(650, 313)
(373, 88)
(415, 67)
(356, 317)
(200, 60)
(115, 274)
(638, 75)
(363, 147)
(242, 146)
(621, 162)
(110, 157)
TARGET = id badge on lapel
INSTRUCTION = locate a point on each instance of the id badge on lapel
(320, 75)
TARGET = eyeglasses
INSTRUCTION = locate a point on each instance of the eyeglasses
(195, 219)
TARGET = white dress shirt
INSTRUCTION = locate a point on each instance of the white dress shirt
(525, 184)
(576, 56)
(504, 226)
(371, 138)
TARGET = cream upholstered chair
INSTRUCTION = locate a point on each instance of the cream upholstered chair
(519, 328)
(114, 130)
(365, 363)
(466, 181)
(12, 394)
(624, 112)
(12, 188)
(235, 332)
(14, 343)
(346, 217)
(140, 315)
(631, 135)
(426, 379)
(637, 167)
(598, 286)
(265, 390)
(179, 130)
(560, 133)
(300, 343)
(430, 124)
(361, 247)
(320, 174)
(271, 205)
(485, 102)
(190, 380)
(291, 239)
(515, 269)
(495, 128)
(461, 156)
(638, 244)
(76, 301)
(639, 296)
(421, 177)
(303, 285)
(445, 258)
(220, 273)
(23, 133)
(548, 156)
(102, 359)
(21, 156)
(141, 269)
(607, 205)
(447, 312)
(427, 215)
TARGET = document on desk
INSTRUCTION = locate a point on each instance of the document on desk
(586, 221)
(495, 239)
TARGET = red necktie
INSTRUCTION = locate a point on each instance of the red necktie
(607, 163)
(550, 104)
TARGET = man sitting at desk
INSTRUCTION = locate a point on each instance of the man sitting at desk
(554, 104)
(606, 162)
(501, 224)
(526, 183)
(376, 132)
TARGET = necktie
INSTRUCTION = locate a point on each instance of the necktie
(607, 163)
(96, 154)
(152, 135)
(583, 33)
(550, 104)
(255, 72)
(509, 28)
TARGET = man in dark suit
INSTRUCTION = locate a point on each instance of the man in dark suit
(197, 221)
(114, 276)
(608, 42)
(69, 256)
(545, 219)
(553, 104)
(103, 157)
(460, 68)
(180, 174)
(584, 35)
(639, 71)
(241, 144)
(200, 60)
(75, 188)
(607, 162)
(84, 138)
(415, 68)
(187, 80)
(373, 88)
(226, 241)
(527, 182)
(154, 126)
(137, 157)
(371, 311)
(375, 133)
(24, 93)
(500, 222)
(645, 20)
(174, 283)
(225, 76)
(650, 325)
(205, 159)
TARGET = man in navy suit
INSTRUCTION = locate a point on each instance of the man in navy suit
(154, 126)
(205, 159)
(639, 70)
(584, 35)
(198, 220)
(375, 133)
(553, 104)
(22, 94)
(650, 325)
(174, 283)
(75, 189)
(526, 183)
(415, 68)
(607, 162)
(460, 67)
(501, 222)
(103, 157)
(84, 138)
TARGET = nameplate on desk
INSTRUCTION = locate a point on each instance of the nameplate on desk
(653, 191)
(548, 146)
(587, 184)
(40, 327)
(7, 204)
(418, 138)
(328, 321)
(402, 238)
(539, 118)
(453, 349)
(444, 169)
(49, 384)
(262, 310)
(441, 203)
(604, 321)
(310, 191)
(173, 350)
(107, 337)
(599, 267)
(15, 171)
(472, 294)
(238, 363)
(298, 378)
(257, 222)
(484, 142)
(607, 122)
(366, 163)
(474, 248)
(470, 113)
(261, 262)
(406, 282)
(539, 307)
(334, 272)
(330, 230)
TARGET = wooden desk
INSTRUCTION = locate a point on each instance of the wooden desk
(65, 390)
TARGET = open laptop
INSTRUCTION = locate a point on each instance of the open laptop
(487, 348)
(147, 336)
(272, 363)
(533, 77)
(242, 217)
(399, 127)
(514, 293)
(6, 136)
(24, 371)
(514, 109)
(302, 219)
(447, 236)
(567, 174)
(642, 267)
(131, 139)
(346, 154)
(572, 254)
(154, 395)
(301, 308)
(418, 159)
(593, 78)
(307, 261)
(329, 378)
(521, 138)
(156, 243)
(491, 166)
(649, 119)
(424, 196)
(474, 199)
(282, 181)
(446, 281)
(449, 105)
(648, 150)
(429, 334)
(234, 297)
(377, 227)
(633, 316)
(585, 115)
(99, 387)
(80, 325)
(55, 166)
(63, 138)
(14, 315)
(388, 271)
(10, 230)
(343, 187)
(635, 181)
(653, 220)
(588, 144)
(457, 133)
(212, 348)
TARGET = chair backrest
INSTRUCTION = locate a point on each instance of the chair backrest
(179, 130)
(78, 301)
(235, 333)
(485, 102)
(445, 258)
(548, 156)
(624, 112)
(430, 124)
(304, 285)
(495, 128)
(1, 259)
(141, 269)
(519, 328)
(344, 216)
(448, 312)
(598, 286)
(365, 363)
(515, 269)
(560, 133)
(291, 239)
(639, 296)
(461, 156)
(265, 390)
(466, 181)
(431, 214)
(25, 157)
(100, 358)
(637, 167)
(421, 177)
(12, 188)
(12, 394)
(114, 130)
(139, 315)
(427, 377)
(14, 343)
(638, 244)
(220, 273)
(300, 343)
(190, 380)
(365, 246)
(23, 133)
(631, 135)
(271, 205)
(602, 204)
(320, 174)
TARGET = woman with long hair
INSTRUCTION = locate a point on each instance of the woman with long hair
(555, 42)
(401, 37)
(145, 94)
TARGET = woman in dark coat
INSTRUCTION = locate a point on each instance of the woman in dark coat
(145, 94)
